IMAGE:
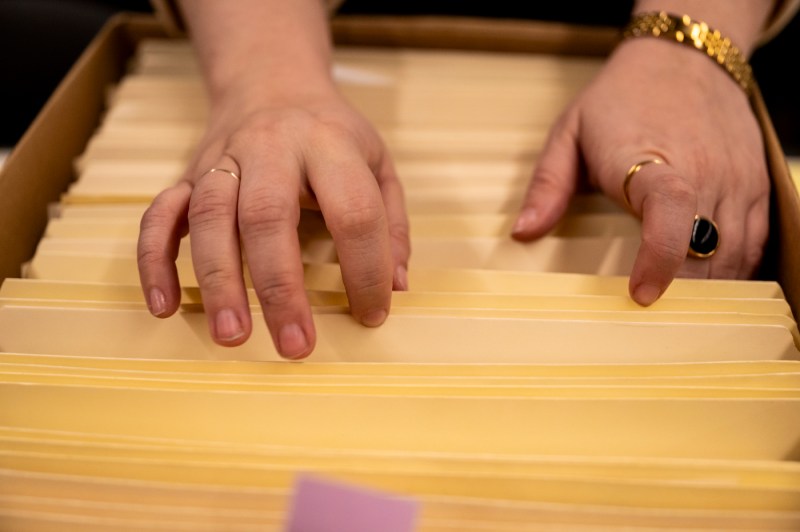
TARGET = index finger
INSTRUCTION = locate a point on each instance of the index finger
(667, 204)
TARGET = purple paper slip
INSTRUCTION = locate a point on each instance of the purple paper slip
(321, 505)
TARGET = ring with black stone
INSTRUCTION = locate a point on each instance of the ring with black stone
(705, 238)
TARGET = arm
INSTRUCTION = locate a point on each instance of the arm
(658, 99)
(255, 47)
(280, 126)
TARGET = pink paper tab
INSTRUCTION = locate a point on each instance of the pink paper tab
(322, 505)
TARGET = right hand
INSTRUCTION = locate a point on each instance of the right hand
(305, 150)
(714, 163)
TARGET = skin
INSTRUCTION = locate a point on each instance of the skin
(278, 121)
(657, 99)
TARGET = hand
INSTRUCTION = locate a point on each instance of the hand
(302, 151)
(655, 99)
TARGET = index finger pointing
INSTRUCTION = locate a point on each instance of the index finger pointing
(667, 204)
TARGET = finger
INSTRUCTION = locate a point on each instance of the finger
(554, 181)
(756, 234)
(727, 260)
(268, 216)
(216, 255)
(667, 204)
(351, 202)
(700, 267)
(394, 203)
(161, 229)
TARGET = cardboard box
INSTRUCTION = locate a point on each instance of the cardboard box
(41, 166)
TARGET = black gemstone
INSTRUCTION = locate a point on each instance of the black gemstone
(704, 236)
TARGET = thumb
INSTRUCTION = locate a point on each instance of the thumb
(554, 181)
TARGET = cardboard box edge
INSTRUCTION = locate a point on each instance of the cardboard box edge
(26, 200)
(39, 168)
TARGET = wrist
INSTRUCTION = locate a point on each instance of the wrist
(696, 36)
(256, 49)
(257, 88)
(741, 21)
(668, 64)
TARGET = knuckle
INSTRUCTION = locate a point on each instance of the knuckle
(324, 130)
(545, 180)
(664, 252)
(263, 215)
(271, 128)
(155, 235)
(675, 189)
(278, 290)
(372, 283)
(258, 133)
(158, 214)
(360, 220)
(213, 276)
(150, 254)
(153, 219)
(400, 234)
(207, 206)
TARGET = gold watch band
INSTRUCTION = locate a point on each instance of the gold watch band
(698, 35)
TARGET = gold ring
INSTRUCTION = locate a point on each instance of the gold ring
(705, 238)
(632, 172)
(225, 170)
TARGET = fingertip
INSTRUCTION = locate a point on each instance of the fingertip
(229, 328)
(293, 342)
(162, 296)
(157, 303)
(374, 318)
(526, 224)
(646, 294)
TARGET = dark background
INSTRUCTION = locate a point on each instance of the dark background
(41, 39)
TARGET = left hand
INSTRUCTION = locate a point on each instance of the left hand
(655, 99)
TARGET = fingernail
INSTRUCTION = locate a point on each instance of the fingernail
(400, 278)
(157, 302)
(374, 318)
(229, 328)
(646, 294)
(524, 221)
(292, 341)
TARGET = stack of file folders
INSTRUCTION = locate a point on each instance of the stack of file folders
(514, 387)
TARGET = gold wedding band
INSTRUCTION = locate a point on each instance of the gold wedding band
(632, 172)
(224, 170)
